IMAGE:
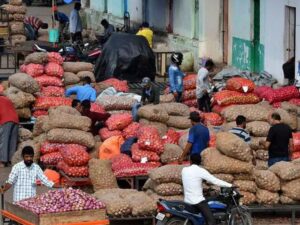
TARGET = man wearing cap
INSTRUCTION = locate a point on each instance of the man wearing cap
(150, 95)
(198, 138)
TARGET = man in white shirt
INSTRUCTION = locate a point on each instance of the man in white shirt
(203, 86)
(75, 24)
(192, 177)
(24, 175)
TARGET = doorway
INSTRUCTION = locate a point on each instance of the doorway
(290, 32)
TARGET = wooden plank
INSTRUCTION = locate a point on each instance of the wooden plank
(56, 218)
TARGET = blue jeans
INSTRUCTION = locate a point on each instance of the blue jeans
(272, 161)
(134, 111)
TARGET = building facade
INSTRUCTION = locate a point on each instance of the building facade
(254, 35)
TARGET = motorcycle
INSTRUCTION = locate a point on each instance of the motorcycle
(74, 52)
(225, 208)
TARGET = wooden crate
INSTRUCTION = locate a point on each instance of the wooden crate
(57, 218)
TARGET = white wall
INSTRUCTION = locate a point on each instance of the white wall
(183, 17)
(274, 35)
(97, 5)
(115, 7)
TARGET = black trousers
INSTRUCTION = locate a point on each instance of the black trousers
(179, 97)
(204, 103)
(206, 212)
(76, 36)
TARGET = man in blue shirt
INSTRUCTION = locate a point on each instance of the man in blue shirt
(85, 92)
(176, 76)
(198, 137)
(63, 21)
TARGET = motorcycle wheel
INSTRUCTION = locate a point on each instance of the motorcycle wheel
(177, 221)
(240, 217)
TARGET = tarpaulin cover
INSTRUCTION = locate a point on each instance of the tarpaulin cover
(126, 57)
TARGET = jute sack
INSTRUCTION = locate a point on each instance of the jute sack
(267, 180)
(64, 109)
(166, 98)
(176, 109)
(267, 197)
(288, 118)
(248, 198)
(14, 8)
(18, 17)
(76, 67)
(262, 155)
(261, 164)
(171, 153)
(212, 158)
(179, 122)
(64, 120)
(83, 74)
(167, 174)
(115, 205)
(243, 176)
(289, 107)
(24, 113)
(258, 128)
(226, 177)
(17, 39)
(24, 135)
(286, 170)
(70, 136)
(116, 102)
(228, 126)
(141, 204)
(153, 113)
(168, 189)
(157, 197)
(161, 127)
(149, 184)
(70, 78)
(41, 125)
(19, 98)
(24, 82)
(233, 146)
(286, 200)
(245, 185)
(255, 145)
(251, 112)
(40, 139)
(101, 174)
(291, 189)
(183, 140)
(17, 28)
(16, 2)
(37, 58)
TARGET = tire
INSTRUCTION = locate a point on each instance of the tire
(177, 221)
(240, 217)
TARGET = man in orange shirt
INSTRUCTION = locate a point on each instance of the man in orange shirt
(9, 127)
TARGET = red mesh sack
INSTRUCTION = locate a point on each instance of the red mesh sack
(117, 84)
(38, 113)
(276, 105)
(95, 107)
(34, 70)
(138, 154)
(73, 171)
(48, 147)
(54, 69)
(295, 155)
(75, 155)
(218, 108)
(296, 142)
(212, 141)
(295, 101)
(53, 91)
(1, 88)
(131, 130)
(118, 121)
(191, 103)
(282, 94)
(23, 68)
(261, 91)
(171, 137)
(47, 102)
(105, 133)
(237, 84)
(149, 139)
(55, 58)
(120, 159)
(227, 97)
(189, 94)
(51, 158)
(189, 81)
(212, 119)
(45, 80)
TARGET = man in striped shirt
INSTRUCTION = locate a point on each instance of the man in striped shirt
(239, 130)
(33, 24)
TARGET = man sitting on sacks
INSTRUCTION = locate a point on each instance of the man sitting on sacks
(97, 118)
(192, 177)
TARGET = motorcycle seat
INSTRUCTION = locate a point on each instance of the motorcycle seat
(182, 206)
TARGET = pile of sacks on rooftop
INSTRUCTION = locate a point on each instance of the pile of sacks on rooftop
(62, 137)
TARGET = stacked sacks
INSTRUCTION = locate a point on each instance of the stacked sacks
(16, 15)
(165, 182)
(296, 146)
(74, 72)
(125, 202)
(189, 94)
(236, 158)
(116, 104)
(21, 93)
